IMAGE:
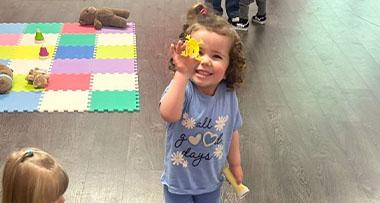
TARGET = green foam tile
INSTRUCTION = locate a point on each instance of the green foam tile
(54, 28)
(114, 101)
(77, 40)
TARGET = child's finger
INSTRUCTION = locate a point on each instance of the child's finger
(172, 50)
(179, 47)
(239, 181)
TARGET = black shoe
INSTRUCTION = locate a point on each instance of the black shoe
(242, 24)
(259, 19)
(234, 21)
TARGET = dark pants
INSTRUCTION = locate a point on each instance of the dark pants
(232, 7)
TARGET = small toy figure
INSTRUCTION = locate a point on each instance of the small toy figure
(192, 48)
(38, 78)
(241, 190)
(44, 54)
(39, 38)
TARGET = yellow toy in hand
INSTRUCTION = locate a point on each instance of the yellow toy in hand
(192, 48)
(241, 190)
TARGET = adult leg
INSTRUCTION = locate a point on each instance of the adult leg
(211, 197)
(244, 8)
(175, 198)
(217, 6)
(232, 8)
(261, 7)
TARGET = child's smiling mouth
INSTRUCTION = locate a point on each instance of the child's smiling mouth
(202, 72)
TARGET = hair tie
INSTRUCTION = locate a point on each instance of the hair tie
(204, 11)
(29, 152)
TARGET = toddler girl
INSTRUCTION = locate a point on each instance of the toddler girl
(33, 176)
(201, 110)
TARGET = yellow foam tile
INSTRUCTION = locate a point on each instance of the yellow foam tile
(20, 84)
(31, 52)
(6, 52)
(116, 39)
(112, 52)
(62, 101)
(22, 66)
(28, 39)
(114, 82)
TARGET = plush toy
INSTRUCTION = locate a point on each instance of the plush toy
(104, 17)
(6, 79)
(38, 78)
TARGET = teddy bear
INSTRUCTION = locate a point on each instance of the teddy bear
(104, 17)
(6, 79)
(38, 78)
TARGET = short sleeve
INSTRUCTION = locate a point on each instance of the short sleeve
(188, 92)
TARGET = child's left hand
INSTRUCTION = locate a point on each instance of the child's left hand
(237, 171)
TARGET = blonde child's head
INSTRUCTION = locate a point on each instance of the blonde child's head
(33, 176)
(201, 16)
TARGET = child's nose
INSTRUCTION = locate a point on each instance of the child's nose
(205, 60)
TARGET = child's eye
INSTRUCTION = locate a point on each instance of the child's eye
(217, 56)
(201, 53)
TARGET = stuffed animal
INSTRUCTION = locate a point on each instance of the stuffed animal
(38, 78)
(104, 17)
(6, 79)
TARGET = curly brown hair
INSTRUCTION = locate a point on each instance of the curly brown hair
(209, 21)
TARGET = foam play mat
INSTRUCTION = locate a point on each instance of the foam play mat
(89, 70)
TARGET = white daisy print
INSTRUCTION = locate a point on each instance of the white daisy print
(221, 122)
(188, 122)
(185, 115)
(184, 164)
(177, 158)
(218, 153)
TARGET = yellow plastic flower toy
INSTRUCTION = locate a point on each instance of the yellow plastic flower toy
(241, 190)
(192, 48)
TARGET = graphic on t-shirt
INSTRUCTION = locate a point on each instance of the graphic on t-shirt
(221, 122)
(202, 140)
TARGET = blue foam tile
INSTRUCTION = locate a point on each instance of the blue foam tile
(20, 101)
(5, 62)
(75, 52)
(12, 28)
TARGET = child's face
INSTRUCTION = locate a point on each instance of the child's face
(215, 58)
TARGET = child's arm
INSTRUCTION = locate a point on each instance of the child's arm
(234, 158)
(172, 103)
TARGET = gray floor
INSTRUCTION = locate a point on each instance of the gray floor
(310, 106)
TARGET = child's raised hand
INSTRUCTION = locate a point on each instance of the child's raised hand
(185, 65)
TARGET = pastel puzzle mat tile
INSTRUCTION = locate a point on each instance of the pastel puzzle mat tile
(89, 70)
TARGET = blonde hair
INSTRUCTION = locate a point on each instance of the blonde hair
(33, 176)
(200, 17)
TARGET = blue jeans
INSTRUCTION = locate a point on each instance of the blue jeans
(232, 7)
(211, 197)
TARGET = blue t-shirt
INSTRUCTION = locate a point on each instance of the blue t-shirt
(198, 144)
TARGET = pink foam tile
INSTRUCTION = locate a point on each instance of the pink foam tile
(69, 82)
(22, 66)
(64, 101)
(9, 39)
(76, 28)
(112, 82)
